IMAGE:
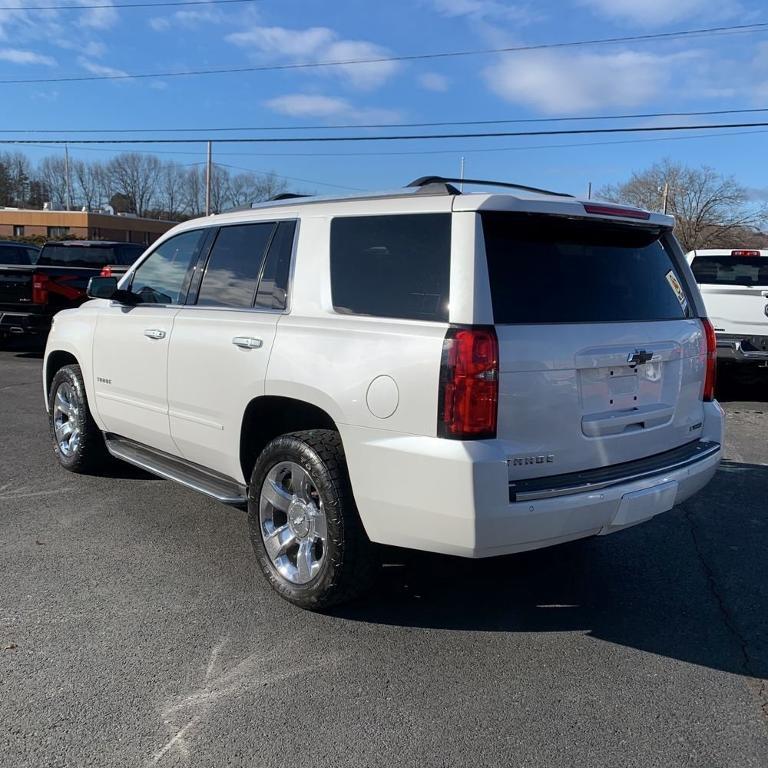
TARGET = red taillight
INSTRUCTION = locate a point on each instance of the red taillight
(743, 252)
(105, 272)
(610, 210)
(469, 384)
(709, 353)
(39, 289)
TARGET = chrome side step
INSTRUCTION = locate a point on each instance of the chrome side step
(220, 487)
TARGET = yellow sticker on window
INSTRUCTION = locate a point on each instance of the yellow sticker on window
(674, 283)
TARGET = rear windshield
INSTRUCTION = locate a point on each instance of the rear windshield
(88, 255)
(18, 254)
(730, 270)
(548, 270)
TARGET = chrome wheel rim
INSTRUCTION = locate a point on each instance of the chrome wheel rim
(66, 411)
(293, 523)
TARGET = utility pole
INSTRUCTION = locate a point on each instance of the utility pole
(461, 175)
(208, 180)
(589, 191)
(665, 196)
(66, 174)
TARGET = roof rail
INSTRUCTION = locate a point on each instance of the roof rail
(286, 196)
(424, 181)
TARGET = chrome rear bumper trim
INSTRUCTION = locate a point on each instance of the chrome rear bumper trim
(597, 479)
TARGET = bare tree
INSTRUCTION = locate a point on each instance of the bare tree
(136, 177)
(710, 210)
(52, 173)
(89, 183)
(172, 190)
(249, 187)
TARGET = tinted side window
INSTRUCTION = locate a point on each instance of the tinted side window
(550, 270)
(273, 286)
(233, 267)
(127, 254)
(161, 278)
(392, 266)
(12, 254)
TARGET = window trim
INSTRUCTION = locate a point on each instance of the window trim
(202, 267)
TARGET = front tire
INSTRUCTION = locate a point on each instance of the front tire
(77, 441)
(304, 526)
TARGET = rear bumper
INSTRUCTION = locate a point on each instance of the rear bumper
(454, 497)
(740, 349)
(23, 323)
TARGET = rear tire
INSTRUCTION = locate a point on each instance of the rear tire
(77, 441)
(304, 526)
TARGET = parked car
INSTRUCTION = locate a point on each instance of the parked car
(734, 286)
(471, 374)
(39, 284)
(13, 253)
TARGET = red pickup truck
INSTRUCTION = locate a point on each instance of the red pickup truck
(33, 291)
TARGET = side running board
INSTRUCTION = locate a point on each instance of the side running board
(220, 487)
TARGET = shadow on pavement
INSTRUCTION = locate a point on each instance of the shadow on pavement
(691, 584)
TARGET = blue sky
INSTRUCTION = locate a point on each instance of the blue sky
(714, 72)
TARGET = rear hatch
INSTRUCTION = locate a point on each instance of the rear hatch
(600, 352)
(735, 291)
(15, 287)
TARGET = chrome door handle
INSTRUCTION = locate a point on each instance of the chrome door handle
(247, 342)
(154, 333)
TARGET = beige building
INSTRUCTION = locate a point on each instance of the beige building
(21, 222)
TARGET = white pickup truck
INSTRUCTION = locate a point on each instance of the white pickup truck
(734, 285)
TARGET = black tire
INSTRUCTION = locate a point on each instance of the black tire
(350, 561)
(90, 453)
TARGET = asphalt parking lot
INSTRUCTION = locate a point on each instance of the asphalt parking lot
(136, 631)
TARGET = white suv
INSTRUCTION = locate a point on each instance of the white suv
(734, 285)
(471, 374)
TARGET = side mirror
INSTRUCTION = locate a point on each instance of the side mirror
(106, 288)
(101, 287)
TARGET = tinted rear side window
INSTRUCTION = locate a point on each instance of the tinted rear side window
(392, 266)
(17, 255)
(232, 273)
(273, 286)
(550, 270)
(730, 270)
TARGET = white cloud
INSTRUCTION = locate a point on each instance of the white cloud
(520, 13)
(188, 18)
(432, 81)
(318, 44)
(17, 56)
(98, 18)
(100, 69)
(652, 13)
(328, 107)
(559, 82)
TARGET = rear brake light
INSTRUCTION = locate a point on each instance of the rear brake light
(105, 272)
(709, 354)
(743, 252)
(609, 210)
(469, 384)
(39, 289)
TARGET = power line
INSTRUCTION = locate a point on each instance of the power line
(118, 5)
(735, 29)
(454, 151)
(396, 137)
(638, 116)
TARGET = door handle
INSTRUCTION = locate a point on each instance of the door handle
(247, 342)
(154, 333)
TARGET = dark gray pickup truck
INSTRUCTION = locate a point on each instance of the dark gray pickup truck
(34, 287)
